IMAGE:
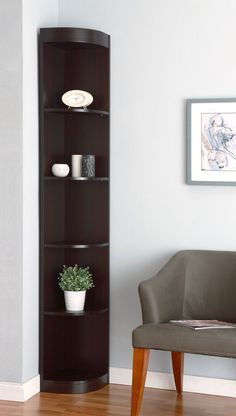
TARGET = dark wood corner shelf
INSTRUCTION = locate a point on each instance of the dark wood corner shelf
(81, 178)
(86, 312)
(74, 217)
(73, 245)
(76, 110)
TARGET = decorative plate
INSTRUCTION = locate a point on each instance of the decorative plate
(77, 98)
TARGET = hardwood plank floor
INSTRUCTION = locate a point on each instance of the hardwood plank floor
(114, 400)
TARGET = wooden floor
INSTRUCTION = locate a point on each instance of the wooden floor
(114, 400)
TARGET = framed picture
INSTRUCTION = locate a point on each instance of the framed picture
(211, 141)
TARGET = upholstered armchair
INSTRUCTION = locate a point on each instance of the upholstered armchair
(192, 285)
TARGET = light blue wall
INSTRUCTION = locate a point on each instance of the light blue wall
(35, 14)
(162, 52)
(11, 191)
(19, 23)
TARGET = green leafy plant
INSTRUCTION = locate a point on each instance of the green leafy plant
(75, 278)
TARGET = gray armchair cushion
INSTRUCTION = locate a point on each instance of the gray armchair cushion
(192, 285)
(170, 337)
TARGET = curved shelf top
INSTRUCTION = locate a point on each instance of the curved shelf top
(84, 313)
(71, 245)
(63, 35)
(80, 178)
(75, 110)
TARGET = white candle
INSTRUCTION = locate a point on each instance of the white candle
(76, 165)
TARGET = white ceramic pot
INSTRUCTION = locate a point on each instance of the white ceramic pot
(74, 301)
(60, 169)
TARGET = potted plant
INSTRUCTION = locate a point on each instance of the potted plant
(75, 281)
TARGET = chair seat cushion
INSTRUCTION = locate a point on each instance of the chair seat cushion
(171, 337)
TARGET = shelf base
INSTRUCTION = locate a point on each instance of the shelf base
(73, 387)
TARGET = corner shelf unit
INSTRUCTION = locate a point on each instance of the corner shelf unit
(74, 212)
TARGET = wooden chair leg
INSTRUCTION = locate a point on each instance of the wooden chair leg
(140, 365)
(178, 369)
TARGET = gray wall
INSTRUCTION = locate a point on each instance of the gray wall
(11, 191)
(19, 23)
(35, 14)
(163, 51)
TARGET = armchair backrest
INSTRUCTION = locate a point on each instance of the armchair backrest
(194, 284)
(210, 285)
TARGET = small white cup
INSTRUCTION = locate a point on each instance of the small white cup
(76, 165)
(60, 169)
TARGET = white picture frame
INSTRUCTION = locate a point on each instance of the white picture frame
(211, 141)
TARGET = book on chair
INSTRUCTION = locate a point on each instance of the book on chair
(203, 324)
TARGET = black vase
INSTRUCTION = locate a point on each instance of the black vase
(88, 166)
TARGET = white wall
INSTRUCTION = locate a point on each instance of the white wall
(162, 52)
(35, 14)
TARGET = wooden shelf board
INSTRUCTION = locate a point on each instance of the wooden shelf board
(75, 110)
(81, 178)
(74, 245)
(84, 313)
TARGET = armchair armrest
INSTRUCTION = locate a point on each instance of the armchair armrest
(162, 296)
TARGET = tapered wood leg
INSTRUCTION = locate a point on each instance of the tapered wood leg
(140, 365)
(178, 369)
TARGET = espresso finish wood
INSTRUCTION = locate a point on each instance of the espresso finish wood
(76, 110)
(80, 313)
(74, 212)
(68, 245)
(140, 365)
(178, 369)
(83, 386)
(114, 400)
(64, 130)
(69, 178)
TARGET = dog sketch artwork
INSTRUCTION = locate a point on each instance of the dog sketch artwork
(218, 141)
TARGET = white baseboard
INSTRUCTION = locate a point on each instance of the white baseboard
(19, 392)
(193, 384)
